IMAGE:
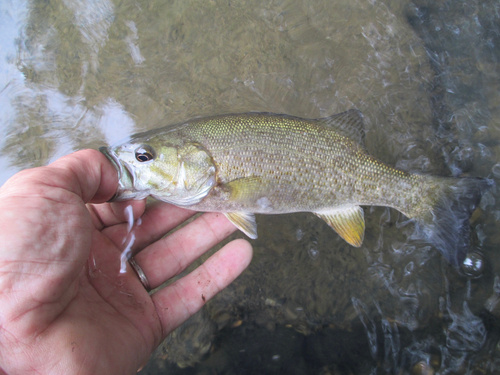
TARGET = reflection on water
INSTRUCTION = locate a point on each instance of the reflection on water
(82, 73)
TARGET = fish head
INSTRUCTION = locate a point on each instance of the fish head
(181, 174)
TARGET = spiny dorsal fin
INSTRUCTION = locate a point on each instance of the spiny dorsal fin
(245, 222)
(348, 222)
(349, 124)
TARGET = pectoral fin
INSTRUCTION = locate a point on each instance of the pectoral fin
(348, 222)
(245, 189)
(245, 222)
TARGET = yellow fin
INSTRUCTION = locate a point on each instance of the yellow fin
(245, 189)
(245, 222)
(348, 222)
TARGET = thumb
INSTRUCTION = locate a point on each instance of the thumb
(86, 173)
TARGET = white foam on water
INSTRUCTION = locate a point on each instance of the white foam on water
(115, 122)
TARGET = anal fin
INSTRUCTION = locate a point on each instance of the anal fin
(348, 222)
(245, 222)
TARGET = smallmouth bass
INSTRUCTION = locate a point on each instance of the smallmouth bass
(265, 163)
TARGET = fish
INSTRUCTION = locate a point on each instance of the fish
(266, 163)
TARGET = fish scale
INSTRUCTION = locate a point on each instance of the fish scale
(321, 166)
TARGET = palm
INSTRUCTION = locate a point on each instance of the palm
(112, 313)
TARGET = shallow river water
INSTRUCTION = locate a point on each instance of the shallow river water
(425, 73)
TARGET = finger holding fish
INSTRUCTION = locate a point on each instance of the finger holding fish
(108, 215)
(158, 219)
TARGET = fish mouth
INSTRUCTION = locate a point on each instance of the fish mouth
(113, 159)
(125, 176)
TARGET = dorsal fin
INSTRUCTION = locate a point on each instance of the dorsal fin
(349, 124)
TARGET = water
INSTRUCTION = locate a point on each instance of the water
(85, 73)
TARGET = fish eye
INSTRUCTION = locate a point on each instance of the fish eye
(144, 153)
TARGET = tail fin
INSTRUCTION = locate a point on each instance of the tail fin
(445, 224)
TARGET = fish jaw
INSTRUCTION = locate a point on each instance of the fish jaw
(126, 190)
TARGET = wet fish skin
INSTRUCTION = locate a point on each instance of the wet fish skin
(266, 163)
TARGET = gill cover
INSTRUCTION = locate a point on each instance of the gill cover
(196, 176)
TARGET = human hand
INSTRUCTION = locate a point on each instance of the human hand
(64, 305)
